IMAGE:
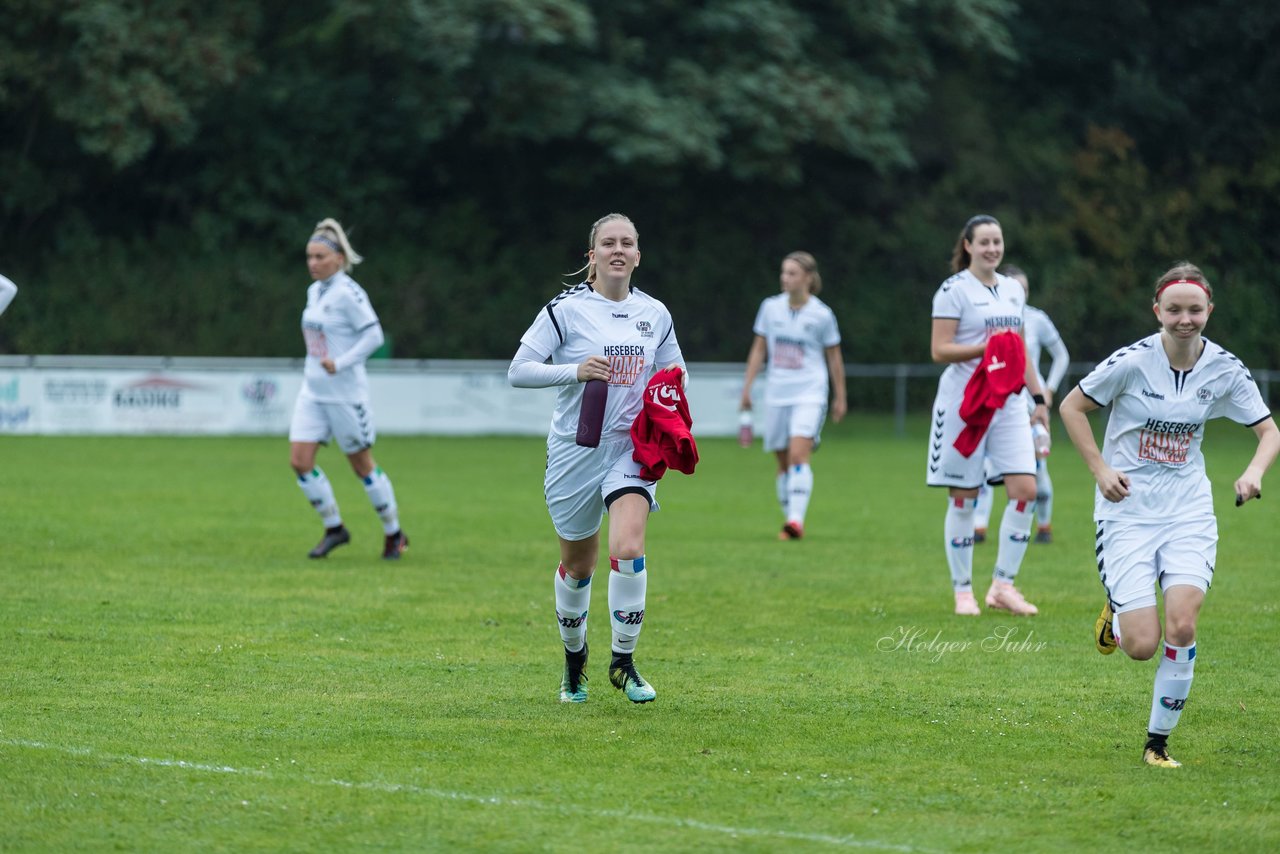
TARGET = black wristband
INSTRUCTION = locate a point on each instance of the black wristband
(1038, 398)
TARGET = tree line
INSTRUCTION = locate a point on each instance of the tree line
(162, 163)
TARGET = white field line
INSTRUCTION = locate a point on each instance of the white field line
(491, 800)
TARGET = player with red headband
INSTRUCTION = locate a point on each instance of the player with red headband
(1153, 507)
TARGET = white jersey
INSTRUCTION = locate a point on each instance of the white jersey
(636, 335)
(981, 312)
(337, 314)
(797, 340)
(1157, 423)
(1040, 335)
(8, 290)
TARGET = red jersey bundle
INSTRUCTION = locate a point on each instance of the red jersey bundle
(661, 432)
(1000, 374)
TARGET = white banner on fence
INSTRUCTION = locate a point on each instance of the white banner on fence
(226, 396)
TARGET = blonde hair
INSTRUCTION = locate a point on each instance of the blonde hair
(590, 268)
(330, 232)
(810, 265)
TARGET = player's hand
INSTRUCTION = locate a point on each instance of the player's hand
(1041, 416)
(838, 410)
(1048, 397)
(1113, 484)
(329, 366)
(594, 368)
(1247, 487)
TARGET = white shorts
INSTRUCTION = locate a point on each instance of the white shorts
(351, 424)
(579, 479)
(1135, 556)
(1006, 448)
(798, 419)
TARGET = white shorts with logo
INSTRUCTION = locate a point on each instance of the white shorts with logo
(579, 479)
(797, 419)
(1133, 557)
(1006, 448)
(350, 424)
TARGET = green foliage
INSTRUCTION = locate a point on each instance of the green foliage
(179, 676)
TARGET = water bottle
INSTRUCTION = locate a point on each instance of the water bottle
(745, 434)
(591, 415)
(1040, 436)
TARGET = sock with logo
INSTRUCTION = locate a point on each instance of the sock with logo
(800, 488)
(627, 583)
(383, 499)
(1173, 683)
(1015, 533)
(573, 598)
(957, 533)
(319, 492)
(784, 490)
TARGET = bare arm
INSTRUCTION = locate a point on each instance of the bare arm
(835, 368)
(942, 343)
(1074, 412)
(755, 361)
(1032, 378)
(1249, 484)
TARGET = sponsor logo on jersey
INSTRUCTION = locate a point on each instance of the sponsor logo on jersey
(1147, 393)
(1006, 321)
(629, 618)
(997, 365)
(1166, 442)
(620, 316)
(626, 362)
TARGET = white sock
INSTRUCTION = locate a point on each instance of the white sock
(784, 491)
(383, 498)
(573, 598)
(982, 515)
(1044, 494)
(627, 584)
(1015, 533)
(801, 486)
(1173, 683)
(957, 534)
(319, 492)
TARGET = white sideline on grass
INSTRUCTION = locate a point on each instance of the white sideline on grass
(494, 800)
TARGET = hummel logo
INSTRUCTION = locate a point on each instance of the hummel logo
(1146, 393)
(980, 304)
(621, 316)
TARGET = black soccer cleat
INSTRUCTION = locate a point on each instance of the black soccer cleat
(396, 545)
(333, 537)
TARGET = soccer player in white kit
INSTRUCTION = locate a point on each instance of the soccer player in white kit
(341, 331)
(1153, 506)
(1040, 335)
(8, 290)
(970, 307)
(601, 329)
(799, 334)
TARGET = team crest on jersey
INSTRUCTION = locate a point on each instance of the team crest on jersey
(1204, 397)
(645, 328)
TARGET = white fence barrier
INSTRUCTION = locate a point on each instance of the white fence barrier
(221, 396)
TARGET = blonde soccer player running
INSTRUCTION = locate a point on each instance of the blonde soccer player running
(600, 329)
(1153, 507)
(341, 331)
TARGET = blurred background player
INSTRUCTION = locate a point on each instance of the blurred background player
(341, 331)
(8, 290)
(1040, 335)
(1153, 506)
(971, 307)
(799, 335)
(601, 329)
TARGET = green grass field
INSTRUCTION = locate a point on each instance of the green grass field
(176, 675)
